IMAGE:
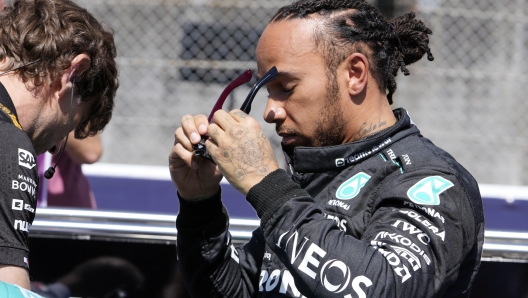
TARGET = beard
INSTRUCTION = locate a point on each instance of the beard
(329, 126)
(331, 123)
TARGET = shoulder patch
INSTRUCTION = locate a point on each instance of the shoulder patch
(26, 159)
(427, 191)
(351, 187)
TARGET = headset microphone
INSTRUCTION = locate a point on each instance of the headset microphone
(51, 170)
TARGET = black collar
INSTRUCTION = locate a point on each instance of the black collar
(331, 158)
(5, 100)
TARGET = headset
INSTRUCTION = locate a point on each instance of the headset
(51, 170)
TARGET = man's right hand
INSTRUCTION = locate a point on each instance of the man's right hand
(195, 177)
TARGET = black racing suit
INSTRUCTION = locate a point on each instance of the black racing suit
(18, 186)
(387, 216)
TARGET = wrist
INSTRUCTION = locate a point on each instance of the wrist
(201, 195)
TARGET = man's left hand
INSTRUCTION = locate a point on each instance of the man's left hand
(240, 149)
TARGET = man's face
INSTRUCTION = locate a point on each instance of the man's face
(54, 125)
(304, 103)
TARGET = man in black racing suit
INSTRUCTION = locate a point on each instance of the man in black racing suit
(371, 209)
(51, 82)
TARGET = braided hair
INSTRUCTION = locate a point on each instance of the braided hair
(352, 24)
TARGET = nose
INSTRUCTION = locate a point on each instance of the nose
(274, 111)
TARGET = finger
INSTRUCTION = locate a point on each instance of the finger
(181, 138)
(180, 156)
(223, 119)
(194, 127)
(238, 115)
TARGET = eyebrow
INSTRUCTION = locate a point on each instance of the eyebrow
(291, 74)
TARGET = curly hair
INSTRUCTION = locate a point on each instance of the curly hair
(54, 32)
(352, 24)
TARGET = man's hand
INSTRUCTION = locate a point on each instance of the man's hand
(195, 177)
(240, 149)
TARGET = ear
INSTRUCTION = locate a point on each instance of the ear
(63, 82)
(358, 70)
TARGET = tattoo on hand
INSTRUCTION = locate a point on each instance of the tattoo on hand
(249, 153)
(238, 132)
(216, 132)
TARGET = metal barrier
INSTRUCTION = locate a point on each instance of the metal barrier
(154, 228)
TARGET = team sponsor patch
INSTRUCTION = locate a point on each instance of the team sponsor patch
(350, 188)
(26, 159)
(427, 191)
(17, 204)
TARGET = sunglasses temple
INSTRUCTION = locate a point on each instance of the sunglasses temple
(242, 79)
(268, 77)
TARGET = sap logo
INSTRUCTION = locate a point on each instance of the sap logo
(26, 159)
(350, 188)
(428, 190)
(22, 225)
(340, 162)
(23, 186)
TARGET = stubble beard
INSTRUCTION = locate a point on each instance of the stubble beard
(331, 123)
(329, 126)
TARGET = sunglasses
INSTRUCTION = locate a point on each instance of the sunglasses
(199, 149)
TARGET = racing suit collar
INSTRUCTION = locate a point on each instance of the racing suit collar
(335, 158)
(7, 107)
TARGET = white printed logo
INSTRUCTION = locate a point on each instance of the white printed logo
(17, 204)
(346, 276)
(26, 159)
(22, 225)
(350, 188)
(427, 191)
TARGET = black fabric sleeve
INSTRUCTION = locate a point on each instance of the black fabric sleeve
(211, 266)
(402, 250)
(18, 188)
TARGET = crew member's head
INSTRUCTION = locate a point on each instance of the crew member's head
(53, 46)
(337, 63)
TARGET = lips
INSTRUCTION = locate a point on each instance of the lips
(287, 138)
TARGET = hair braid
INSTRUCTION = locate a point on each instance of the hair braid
(393, 45)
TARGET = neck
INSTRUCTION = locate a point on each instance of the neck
(371, 118)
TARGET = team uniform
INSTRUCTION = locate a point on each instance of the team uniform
(391, 215)
(18, 186)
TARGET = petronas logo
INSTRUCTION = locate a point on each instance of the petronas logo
(427, 191)
(350, 188)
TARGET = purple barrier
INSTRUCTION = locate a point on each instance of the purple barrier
(505, 207)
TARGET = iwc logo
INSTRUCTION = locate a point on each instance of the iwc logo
(350, 188)
(427, 191)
